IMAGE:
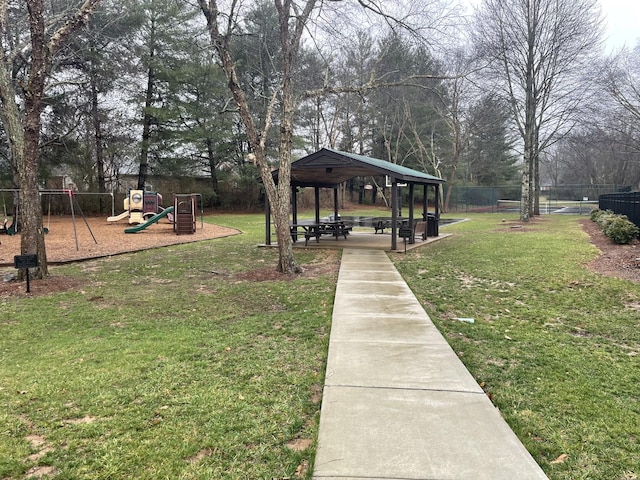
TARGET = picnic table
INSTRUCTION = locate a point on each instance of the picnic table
(318, 229)
(380, 223)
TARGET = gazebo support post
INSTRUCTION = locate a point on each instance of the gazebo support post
(316, 191)
(394, 214)
(335, 204)
(294, 204)
(294, 211)
(267, 221)
(425, 206)
(412, 238)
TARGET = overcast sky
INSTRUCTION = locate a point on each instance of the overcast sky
(622, 19)
(623, 22)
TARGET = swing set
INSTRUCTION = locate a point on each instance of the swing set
(15, 226)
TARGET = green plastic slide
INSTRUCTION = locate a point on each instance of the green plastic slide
(151, 221)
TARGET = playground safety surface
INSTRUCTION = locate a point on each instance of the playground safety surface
(97, 238)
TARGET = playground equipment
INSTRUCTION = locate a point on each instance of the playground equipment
(140, 206)
(164, 213)
(182, 214)
(185, 214)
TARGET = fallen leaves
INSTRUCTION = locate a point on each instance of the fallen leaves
(561, 459)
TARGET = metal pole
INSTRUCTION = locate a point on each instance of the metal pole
(83, 217)
(73, 218)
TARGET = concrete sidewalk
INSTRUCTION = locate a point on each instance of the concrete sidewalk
(397, 401)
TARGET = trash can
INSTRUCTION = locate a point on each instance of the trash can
(432, 225)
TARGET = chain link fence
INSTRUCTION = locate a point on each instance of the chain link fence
(507, 197)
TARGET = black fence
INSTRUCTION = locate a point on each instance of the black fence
(623, 204)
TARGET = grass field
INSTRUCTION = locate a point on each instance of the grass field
(167, 364)
(174, 364)
(554, 344)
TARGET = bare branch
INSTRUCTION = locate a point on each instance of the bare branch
(373, 84)
(79, 18)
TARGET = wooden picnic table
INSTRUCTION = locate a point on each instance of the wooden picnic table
(318, 229)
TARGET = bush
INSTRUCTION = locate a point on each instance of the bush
(616, 227)
(597, 213)
(621, 230)
(602, 217)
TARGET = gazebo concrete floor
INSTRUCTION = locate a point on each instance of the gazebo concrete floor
(366, 241)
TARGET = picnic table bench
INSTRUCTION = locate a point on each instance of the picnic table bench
(420, 227)
(316, 230)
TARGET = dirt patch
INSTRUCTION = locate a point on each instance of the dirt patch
(324, 265)
(518, 226)
(299, 444)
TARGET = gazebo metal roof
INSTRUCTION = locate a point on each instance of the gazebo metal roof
(329, 168)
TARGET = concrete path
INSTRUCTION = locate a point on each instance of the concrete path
(397, 401)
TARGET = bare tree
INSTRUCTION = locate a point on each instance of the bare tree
(295, 19)
(539, 50)
(22, 119)
(622, 82)
(222, 28)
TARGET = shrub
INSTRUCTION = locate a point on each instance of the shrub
(597, 213)
(621, 230)
(616, 227)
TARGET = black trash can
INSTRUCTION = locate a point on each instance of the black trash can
(432, 225)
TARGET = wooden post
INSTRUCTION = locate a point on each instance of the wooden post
(316, 191)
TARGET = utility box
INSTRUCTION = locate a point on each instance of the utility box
(184, 211)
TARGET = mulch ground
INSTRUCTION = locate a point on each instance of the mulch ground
(95, 237)
(92, 238)
(621, 261)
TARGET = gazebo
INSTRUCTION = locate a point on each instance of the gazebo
(329, 168)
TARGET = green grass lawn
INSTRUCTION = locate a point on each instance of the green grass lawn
(554, 344)
(167, 364)
(173, 364)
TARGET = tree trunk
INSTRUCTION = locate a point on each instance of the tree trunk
(147, 118)
(211, 160)
(24, 134)
(32, 235)
(450, 183)
(525, 195)
(97, 136)
(146, 133)
(535, 175)
(279, 196)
